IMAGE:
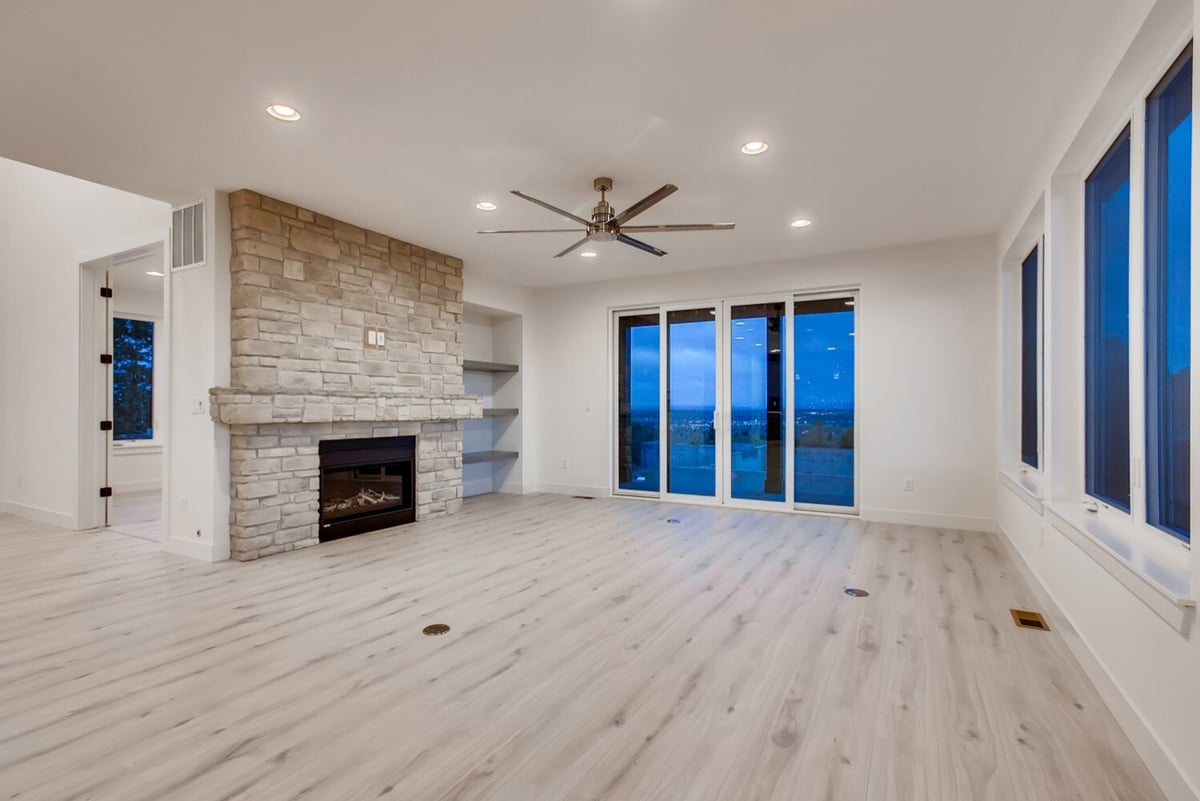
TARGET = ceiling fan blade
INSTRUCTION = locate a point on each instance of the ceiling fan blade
(535, 231)
(547, 206)
(578, 244)
(645, 203)
(669, 228)
(640, 245)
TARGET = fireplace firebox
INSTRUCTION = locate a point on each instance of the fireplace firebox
(366, 485)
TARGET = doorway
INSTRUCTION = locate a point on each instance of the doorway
(123, 374)
(745, 402)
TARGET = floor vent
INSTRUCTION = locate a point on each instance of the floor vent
(584, 497)
(855, 592)
(1029, 620)
(435, 629)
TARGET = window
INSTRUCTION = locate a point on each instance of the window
(1030, 390)
(1106, 324)
(692, 401)
(133, 379)
(637, 401)
(758, 402)
(1168, 301)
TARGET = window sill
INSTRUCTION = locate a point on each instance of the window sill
(1158, 573)
(1024, 487)
(138, 447)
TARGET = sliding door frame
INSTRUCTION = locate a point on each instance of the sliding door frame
(723, 427)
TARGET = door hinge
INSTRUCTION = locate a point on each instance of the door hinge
(106, 492)
(106, 291)
(106, 425)
(106, 358)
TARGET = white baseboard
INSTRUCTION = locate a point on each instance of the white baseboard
(198, 550)
(130, 487)
(573, 489)
(929, 519)
(38, 514)
(1162, 767)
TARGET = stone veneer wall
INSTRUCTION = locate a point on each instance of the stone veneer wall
(303, 287)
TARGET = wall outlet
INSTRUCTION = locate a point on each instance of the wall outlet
(909, 485)
(197, 405)
(564, 464)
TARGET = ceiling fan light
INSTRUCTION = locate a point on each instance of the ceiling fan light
(755, 148)
(588, 254)
(801, 223)
(485, 205)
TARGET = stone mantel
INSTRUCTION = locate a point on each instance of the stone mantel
(246, 406)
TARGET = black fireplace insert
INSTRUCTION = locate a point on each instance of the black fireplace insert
(366, 485)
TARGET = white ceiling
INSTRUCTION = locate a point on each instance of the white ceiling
(890, 121)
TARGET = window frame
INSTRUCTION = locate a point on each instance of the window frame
(1134, 117)
(156, 405)
(1151, 277)
(1038, 251)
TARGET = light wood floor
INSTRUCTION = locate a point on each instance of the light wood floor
(136, 514)
(596, 652)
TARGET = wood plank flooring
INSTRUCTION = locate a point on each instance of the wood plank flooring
(596, 652)
(137, 514)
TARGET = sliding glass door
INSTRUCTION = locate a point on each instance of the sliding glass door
(691, 396)
(824, 402)
(757, 401)
(638, 401)
(748, 403)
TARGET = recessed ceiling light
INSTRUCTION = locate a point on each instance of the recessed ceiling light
(155, 273)
(588, 254)
(739, 322)
(758, 344)
(739, 338)
(755, 148)
(284, 113)
(485, 205)
(801, 223)
(850, 303)
(775, 350)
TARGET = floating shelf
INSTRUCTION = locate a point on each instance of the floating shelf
(488, 367)
(500, 412)
(479, 457)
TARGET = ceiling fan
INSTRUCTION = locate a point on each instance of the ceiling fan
(606, 225)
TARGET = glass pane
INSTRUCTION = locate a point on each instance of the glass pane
(1168, 299)
(757, 383)
(1029, 360)
(133, 379)
(1106, 320)
(638, 402)
(692, 401)
(824, 386)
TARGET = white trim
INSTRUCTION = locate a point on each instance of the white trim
(583, 489)
(38, 515)
(200, 551)
(928, 519)
(1145, 740)
(1024, 489)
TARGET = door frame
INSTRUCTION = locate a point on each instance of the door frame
(93, 396)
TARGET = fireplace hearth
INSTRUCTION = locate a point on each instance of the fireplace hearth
(366, 485)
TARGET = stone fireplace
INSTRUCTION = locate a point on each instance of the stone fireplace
(338, 333)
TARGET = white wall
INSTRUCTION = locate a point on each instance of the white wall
(927, 395)
(1140, 648)
(49, 224)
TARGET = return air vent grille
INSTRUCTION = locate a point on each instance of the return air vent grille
(187, 236)
(1029, 620)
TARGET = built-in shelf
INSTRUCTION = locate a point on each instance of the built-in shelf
(488, 367)
(500, 412)
(479, 457)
